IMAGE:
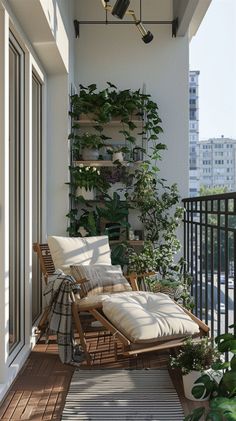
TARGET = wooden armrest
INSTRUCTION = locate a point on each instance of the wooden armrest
(133, 279)
(81, 281)
(145, 274)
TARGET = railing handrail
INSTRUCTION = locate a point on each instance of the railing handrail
(221, 196)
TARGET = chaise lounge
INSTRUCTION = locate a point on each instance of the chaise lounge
(141, 321)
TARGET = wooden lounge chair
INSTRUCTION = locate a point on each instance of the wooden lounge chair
(96, 308)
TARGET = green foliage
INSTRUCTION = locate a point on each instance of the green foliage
(87, 177)
(222, 393)
(198, 356)
(156, 202)
(114, 211)
(158, 205)
(168, 273)
(88, 140)
(118, 254)
(205, 191)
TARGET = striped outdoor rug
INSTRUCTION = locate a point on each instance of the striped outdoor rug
(146, 395)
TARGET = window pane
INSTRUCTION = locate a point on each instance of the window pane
(16, 194)
(36, 192)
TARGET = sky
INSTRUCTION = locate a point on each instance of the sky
(213, 52)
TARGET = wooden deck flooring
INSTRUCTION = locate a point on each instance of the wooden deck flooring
(40, 389)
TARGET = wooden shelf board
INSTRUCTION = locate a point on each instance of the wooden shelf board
(101, 163)
(113, 123)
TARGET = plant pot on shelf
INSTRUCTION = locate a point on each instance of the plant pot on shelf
(118, 156)
(188, 383)
(89, 154)
(87, 194)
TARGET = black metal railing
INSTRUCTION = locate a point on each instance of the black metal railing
(210, 253)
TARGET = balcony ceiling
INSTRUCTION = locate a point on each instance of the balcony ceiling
(189, 12)
(42, 28)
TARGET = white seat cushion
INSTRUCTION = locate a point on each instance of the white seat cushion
(67, 251)
(147, 317)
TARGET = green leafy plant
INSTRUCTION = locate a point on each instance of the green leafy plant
(89, 140)
(87, 177)
(88, 224)
(156, 202)
(222, 404)
(114, 212)
(198, 356)
(118, 254)
(169, 275)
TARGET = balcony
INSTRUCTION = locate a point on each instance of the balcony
(209, 248)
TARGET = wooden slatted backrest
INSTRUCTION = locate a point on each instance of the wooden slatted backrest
(48, 268)
(45, 259)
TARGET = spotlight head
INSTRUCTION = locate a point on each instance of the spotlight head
(120, 8)
(148, 37)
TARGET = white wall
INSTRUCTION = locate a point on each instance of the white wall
(57, 154)
(117, 54)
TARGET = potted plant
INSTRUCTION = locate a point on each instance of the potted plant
(86, 179)
(114, 215)
(220, 385)
(118, 153)
(194, 359)
(89, 144)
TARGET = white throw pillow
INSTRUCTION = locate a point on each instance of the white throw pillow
(67, 251)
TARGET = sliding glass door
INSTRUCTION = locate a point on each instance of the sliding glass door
(16, 195)
(36, 192)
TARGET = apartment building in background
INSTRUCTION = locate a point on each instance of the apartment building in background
(193, 132)
(216, 162)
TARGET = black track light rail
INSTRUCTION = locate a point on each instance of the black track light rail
(173, 23)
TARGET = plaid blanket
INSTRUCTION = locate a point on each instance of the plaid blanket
(59, 296)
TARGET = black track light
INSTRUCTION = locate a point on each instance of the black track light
(120, 8)
(146, 35)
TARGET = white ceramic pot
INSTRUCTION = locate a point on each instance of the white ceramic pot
(118, 156)
(90, 154)
(188, 383)
(87, 194)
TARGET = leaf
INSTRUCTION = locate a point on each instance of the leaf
(229, 381)
(213, 416)
(203, 385)
(227, 345)
(224, 336)
(195, 415)
(224, 406)
(233, 363)
(92, 87)
(111, 85)
(199, 391)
